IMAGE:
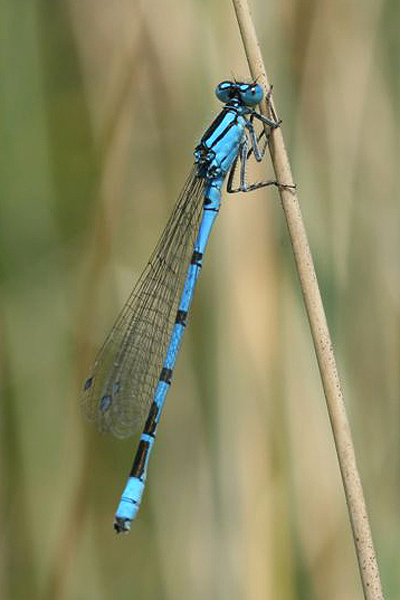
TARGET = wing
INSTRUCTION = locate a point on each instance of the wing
(119, 391)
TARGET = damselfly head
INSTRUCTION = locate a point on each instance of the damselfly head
(248, 94)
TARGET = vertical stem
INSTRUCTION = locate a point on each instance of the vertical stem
(367, 561)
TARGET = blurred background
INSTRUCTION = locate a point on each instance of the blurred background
(101, 106)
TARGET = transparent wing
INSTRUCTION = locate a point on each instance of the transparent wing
(118, 393)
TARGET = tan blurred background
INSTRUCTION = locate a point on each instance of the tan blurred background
(101, 106)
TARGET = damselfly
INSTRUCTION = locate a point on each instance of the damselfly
(133, 369)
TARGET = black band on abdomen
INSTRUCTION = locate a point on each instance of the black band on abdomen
(140, 459)
(166, 375)
(196, 259)
(181, 317)
(151, 424)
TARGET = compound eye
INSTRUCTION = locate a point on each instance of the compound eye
(252, 95)
(225, 91)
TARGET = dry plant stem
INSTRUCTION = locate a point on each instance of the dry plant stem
(321, 337)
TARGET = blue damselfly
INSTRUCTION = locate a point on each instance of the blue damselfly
(132, 371)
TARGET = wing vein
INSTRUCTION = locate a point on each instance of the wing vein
(127, 367)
